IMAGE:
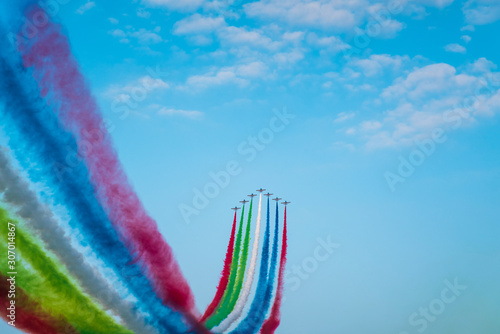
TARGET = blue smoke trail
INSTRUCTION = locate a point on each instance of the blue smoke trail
(272, 275)
(38, 137)
(248, 325)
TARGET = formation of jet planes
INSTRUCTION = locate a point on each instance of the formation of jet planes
(277, 199)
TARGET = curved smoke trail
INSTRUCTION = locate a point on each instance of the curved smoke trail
(39, 218)
(225, 273)
(29, 316)
(54, 290)
(250, 324)
(49, 145)
(60, 81)
(274, 319)
(242, 300)
(234, 287)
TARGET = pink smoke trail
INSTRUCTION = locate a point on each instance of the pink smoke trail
(274, 319)
(221, 288)
(61, 81)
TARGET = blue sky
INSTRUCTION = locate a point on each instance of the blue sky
(389, 147)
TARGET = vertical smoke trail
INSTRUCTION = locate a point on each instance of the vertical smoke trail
(29, 316)
(274, 319)
(39, 218)
(54, 290)
(240, 304)
(242, 264)
(237, 272)
(46, 145)
(251, 321)
(225, 272)
(60, 80)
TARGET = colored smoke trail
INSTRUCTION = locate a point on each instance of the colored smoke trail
(274, 319)
(250, 324)
(235, 283)
(225, 273)
(242, 264)
(54, 290)
(60, 80)
(29, 316)
(242, 300)
(39, 219)
(48, 145)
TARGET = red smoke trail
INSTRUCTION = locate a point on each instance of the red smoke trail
(30, 318)
(275, 318)
(61, 81)
(225, 274)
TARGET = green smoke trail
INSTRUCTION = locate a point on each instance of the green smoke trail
(48, 286)
(221, 311)
(237, 274)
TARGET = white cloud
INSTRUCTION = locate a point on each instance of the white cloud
(332, 44)
(343, 116)
(113, 20)
(239, 75)
(86, 7)
(427, 81)
(143, 36)
(255, 69)
(466, 38)
(182, 5)
(146, 37)
(376, 64)
(191, 114)
(321, 14)
(455, 48)
(370, 125)
(482, 65)
(142, 86)
(141, 12)
(197, 24)
(479, 12)
(289, 58)
(435, 3)
(221, 77)
(242, 36)
(431, 97)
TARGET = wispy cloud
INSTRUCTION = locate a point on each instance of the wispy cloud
(86, 7)
(191, 114)
(182, 5)
(142, 36)
(480, 12)
(455, 48)
(430, 97)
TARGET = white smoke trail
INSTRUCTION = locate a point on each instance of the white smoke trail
(242, 300)
(17, 193)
